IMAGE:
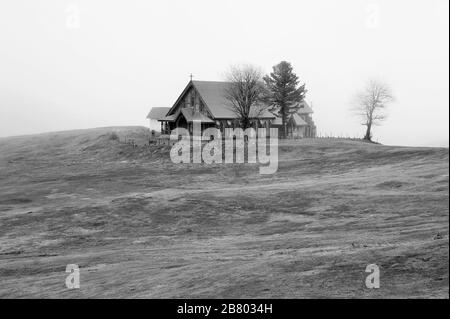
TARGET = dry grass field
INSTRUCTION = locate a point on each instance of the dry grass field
(140, 226)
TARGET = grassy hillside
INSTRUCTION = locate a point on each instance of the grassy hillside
(140, 226)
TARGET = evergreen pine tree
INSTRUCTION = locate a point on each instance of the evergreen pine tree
(283, 92)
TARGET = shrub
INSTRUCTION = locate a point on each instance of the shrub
(113, 136)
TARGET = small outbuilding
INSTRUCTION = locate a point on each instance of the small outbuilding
(155, 116)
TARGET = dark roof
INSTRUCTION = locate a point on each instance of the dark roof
(295, 117)
(157, 113)
(213, 94)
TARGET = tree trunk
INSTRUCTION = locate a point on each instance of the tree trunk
(368, 136)
(283, 117)
(245, 123)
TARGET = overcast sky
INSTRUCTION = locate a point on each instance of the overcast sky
(80, 64)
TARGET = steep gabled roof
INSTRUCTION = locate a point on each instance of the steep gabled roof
(213, 95)
(157, 113)
(295, 117)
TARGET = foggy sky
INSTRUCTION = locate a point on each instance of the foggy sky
(81, 64)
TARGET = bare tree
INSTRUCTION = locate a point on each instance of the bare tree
(245, 93)
(371, 103)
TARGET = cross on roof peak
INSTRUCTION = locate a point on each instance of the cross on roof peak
(191, 76)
